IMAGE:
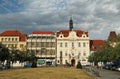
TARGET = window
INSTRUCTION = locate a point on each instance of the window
(15, 39)
(5, 39)
(61, 54)
(60, 44)
(79, 44)
(21, 45)
(8, 45)
(12, 39)
(8, 39)
(58, 61)
(66, 54)
(84, 54)
(66, 44)
(2, 39)
(72, 44)
(12, 45)
(15, 45)
(84, 44)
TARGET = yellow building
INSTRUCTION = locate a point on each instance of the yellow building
(13, 39)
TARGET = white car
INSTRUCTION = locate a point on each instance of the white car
(118, 68)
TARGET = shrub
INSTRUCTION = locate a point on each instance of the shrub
(79, 66)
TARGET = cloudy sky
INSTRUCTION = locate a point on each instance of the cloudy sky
(98, 17)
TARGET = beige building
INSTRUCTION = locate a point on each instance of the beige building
(72, 46)
(42, 44)
(64, 46)
(13, 39)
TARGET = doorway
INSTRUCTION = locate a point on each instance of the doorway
(73, 62)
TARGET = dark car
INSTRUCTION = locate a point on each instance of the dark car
(107, 66)
(113, 67)
(110, 67)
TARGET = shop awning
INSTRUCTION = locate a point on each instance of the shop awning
(41, 61)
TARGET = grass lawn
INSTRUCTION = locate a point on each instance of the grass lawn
(44, 73)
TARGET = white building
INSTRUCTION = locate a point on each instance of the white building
(43, 45)
(72, 46)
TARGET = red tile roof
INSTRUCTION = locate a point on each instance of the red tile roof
(96, 44)
(66, 33)
(40, 32)
(14, 33)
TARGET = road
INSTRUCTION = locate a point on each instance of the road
(103, 74)
(109, 74)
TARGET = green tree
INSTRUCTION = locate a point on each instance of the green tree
(79, 66)
(4, 55)
(103, 55)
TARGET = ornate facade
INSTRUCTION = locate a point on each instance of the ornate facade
(64, 46)
(72, 46)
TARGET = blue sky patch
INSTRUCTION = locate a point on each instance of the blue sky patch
(10, 6)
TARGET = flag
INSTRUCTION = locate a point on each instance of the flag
(78, 55)
(69, 56)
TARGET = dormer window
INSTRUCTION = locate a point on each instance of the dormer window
(84, 36)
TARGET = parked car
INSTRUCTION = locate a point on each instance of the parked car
(113, 67)
(118, 68)
(107, 66)
(110, 66)
(2, 67)
(28, 65)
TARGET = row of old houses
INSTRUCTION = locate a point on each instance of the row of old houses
(61, 47)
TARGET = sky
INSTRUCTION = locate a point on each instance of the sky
(98, 17)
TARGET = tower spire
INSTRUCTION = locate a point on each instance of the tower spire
(71, 24)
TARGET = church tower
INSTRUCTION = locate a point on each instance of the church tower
(71, 24)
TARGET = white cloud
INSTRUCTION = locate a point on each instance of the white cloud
(98, 17)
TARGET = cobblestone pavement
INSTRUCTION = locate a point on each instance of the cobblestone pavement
(102, 73)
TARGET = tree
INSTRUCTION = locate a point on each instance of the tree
(103, 55)
(5, 55)
(116, 54)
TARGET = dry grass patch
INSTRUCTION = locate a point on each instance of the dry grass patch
(44, 73)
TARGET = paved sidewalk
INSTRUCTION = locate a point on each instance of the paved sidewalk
(102, 74)
(109, 74)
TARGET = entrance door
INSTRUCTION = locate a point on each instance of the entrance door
(73, 62)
